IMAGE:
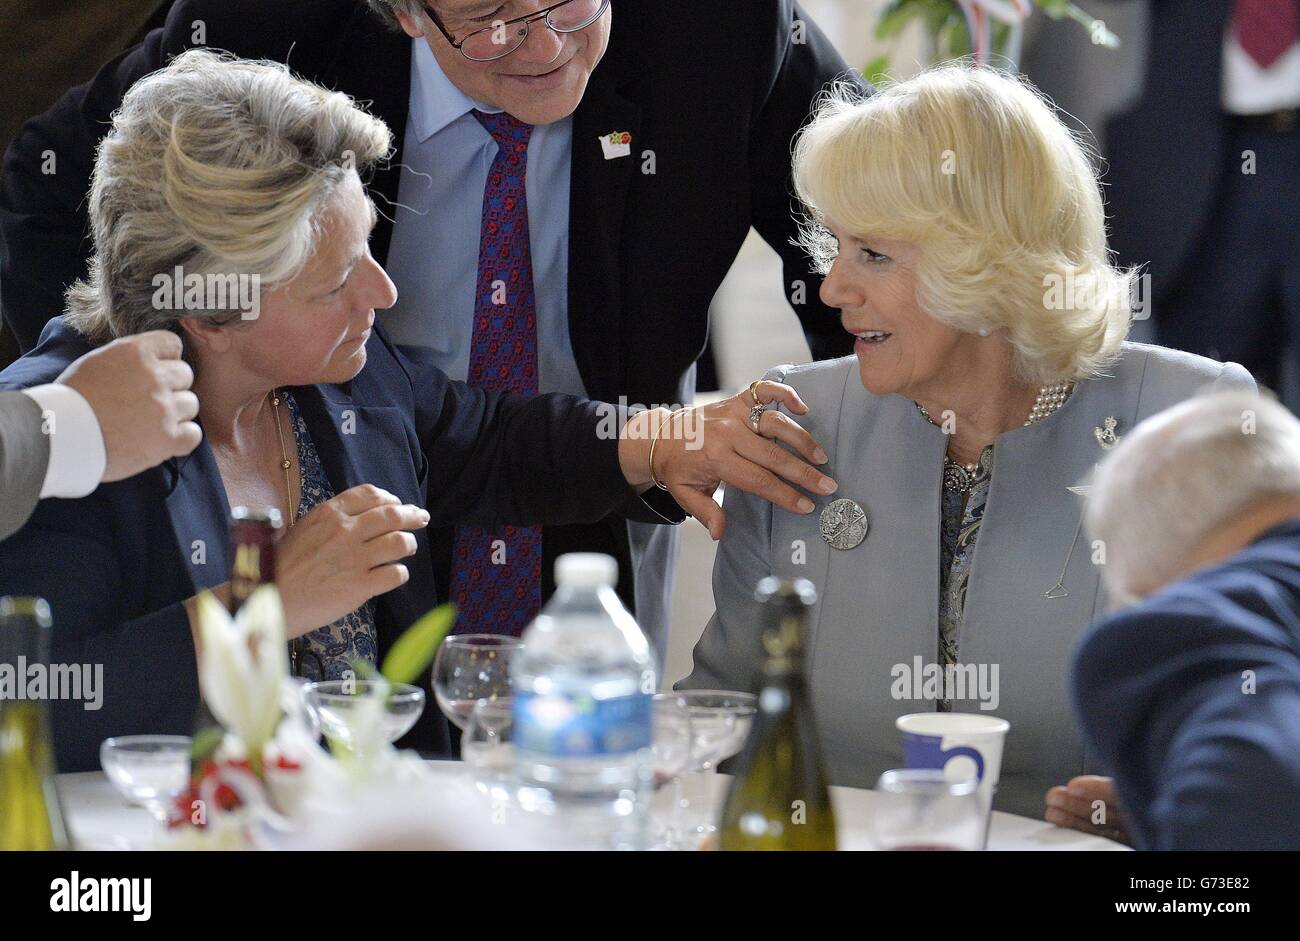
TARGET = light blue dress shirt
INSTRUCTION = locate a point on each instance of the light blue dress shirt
(433, 257)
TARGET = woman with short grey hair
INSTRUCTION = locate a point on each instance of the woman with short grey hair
(962, 231)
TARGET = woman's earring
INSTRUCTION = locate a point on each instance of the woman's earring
(984, 331)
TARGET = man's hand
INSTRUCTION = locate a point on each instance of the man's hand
(698, 448)
(139, 388)
(1088, 804)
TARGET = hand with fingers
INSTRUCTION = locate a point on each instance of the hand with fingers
(139, 390)
(737, 441)
(1089, 804)
(346, 551)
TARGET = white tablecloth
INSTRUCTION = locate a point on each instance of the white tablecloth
(100, 819)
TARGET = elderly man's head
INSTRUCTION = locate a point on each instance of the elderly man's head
(1191, 486)
(540, 80)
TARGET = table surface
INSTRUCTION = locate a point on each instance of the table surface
(100, 819)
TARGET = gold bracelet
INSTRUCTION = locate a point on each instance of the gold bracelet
(655, 440)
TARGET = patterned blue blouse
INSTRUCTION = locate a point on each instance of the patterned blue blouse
(958, 529)
(327, 651)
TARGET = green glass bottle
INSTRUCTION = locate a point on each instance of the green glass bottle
(779, 799)
(30, 815)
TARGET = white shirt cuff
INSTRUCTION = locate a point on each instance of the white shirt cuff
(77, 456)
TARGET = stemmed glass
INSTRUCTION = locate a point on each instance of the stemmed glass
(917, 809)
(342, 708)
(671, 746)
(488, 747)
(151, 771)
(720, 724)
(470, 667)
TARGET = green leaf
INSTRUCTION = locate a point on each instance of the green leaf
(363, 669)
(958, 39)
(205, 743)
(876, 70)
(1053, 8)
(895, 17)
(414, 650)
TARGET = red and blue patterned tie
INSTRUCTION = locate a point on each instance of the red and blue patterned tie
(496, 579)
(1266, 29)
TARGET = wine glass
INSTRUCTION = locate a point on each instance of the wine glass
(339, 706)
(671, 746)
(673, 738)
(150, 771)
(488, 748)
(720, 724)
(918, 809)
(470, 667)
(720, 721)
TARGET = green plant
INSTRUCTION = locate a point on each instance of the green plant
(947, 23)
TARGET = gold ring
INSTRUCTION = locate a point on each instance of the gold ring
(756, 416)
(753, 391)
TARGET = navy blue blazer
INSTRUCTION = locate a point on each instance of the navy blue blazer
(116, 566)
(1192, 698)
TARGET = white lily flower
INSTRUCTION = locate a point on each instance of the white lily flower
(243, 664)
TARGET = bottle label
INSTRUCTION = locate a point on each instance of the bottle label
(581, 727)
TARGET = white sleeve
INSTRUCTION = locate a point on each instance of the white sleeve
(77, 456)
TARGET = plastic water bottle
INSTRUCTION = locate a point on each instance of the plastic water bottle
(583, 687)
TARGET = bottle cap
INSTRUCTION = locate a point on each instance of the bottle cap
(17, 606)
(786, 590)
(263, 515)
(586, 570)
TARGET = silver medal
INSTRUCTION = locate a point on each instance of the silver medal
(843, 524)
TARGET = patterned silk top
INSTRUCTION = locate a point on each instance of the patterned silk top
(962, 513)
(327, 651)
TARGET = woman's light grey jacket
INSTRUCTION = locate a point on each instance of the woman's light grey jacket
(877, 613)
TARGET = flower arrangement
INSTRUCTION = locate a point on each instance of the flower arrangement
(261, 767)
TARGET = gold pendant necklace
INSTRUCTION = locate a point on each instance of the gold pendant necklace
(295, 645)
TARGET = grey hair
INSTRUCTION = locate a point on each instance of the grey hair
(220, 167)
(1182, 474)
(387, 10)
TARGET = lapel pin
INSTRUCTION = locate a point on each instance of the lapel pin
(843, 524)
(1106, 436)
(616, 144)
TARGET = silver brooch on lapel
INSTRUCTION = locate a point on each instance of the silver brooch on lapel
(843, 524)
(1105, 435)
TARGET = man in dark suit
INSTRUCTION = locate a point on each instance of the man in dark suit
(1204, 176)
(1192, 695)
(653, 137)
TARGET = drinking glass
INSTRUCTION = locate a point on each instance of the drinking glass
(488, 747)
(151, 771)
(917, 809)
(720, 724)
(339, 705)
(470, 667)
(671, 745)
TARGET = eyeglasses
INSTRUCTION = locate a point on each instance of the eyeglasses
(504, 37)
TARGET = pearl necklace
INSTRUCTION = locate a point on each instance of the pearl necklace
(1050, 398)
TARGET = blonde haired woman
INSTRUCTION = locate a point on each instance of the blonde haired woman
(961, 227)
(227, 207)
